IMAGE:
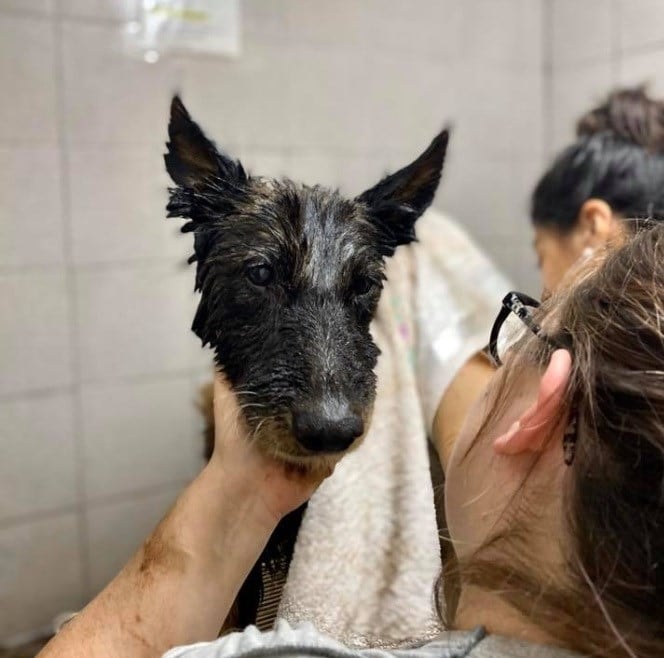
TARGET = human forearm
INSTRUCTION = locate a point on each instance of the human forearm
(179, 586)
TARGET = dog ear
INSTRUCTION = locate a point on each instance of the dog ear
(193, 159)
(209, 183)
(399, 199)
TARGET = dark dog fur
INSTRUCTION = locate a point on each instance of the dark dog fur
(290, 277)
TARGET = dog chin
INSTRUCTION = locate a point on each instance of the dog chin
(321, 463)
(283, 447)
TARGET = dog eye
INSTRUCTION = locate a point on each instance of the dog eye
(362, 285)
(260, 275)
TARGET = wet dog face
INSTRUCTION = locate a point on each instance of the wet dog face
(290, 277)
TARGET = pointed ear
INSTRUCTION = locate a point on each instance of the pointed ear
(192, 158)
(399, 199)
(538, 424)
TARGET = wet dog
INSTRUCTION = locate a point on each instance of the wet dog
(290, 277)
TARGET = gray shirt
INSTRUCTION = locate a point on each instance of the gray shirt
(304, 641)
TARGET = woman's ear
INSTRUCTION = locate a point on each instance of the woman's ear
(596, 222)
(531, 433)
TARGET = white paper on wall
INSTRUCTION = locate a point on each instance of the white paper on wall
(199, 26)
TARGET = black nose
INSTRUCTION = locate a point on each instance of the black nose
(318, 432)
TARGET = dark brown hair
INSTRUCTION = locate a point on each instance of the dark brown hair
(611, 603)
(618, 157)
(629, 114)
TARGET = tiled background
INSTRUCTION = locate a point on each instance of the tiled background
(98, 369)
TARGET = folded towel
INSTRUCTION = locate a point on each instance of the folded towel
(367, 555)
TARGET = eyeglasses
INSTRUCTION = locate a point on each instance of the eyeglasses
(516, 316)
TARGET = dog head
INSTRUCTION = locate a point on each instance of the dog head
(290, 277)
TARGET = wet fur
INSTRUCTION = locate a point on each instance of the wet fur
(301, 343)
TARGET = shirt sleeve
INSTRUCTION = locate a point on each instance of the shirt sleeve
(458, 295)
(251, 640)
(304, 641)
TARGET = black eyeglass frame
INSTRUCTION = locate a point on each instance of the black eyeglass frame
(520, 304)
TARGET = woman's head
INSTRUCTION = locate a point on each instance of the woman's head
(578, 548)
(614, 170)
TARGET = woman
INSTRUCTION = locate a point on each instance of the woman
(553, 494)
(612, 171)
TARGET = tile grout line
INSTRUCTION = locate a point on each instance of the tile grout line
(70, 282)
(105, 383)
(105, 500)
(28, 14)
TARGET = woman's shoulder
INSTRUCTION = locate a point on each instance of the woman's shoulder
(303, 641)
(498, 646)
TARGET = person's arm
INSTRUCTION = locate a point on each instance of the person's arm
(179, 586)
(465, 388)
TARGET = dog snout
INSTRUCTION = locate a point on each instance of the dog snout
(318, 431)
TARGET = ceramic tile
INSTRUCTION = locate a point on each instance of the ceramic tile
(40, 573)
(37, 469)
(139, 435)
(35, 351)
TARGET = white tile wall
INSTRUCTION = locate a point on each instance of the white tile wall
(37, 437)
(483, 190)
(574, 92)
(243, 102)
(40, 573)
(358, 173)
(98, 368)
(581, 31)
(504, 32)
(643, 67)
(315, 168)
(342, 23)
(265, 18)
(598, 45)
(486, 123)
(415, 27)
(116, 10)
(396, 85)
(27, 79)
(30, 189)
(35, 348)
(328, 86)
(135, 321)
(640, 24)
(263, 162)
(36, 6)
(118, 196)
(111, 98)
(139, 435)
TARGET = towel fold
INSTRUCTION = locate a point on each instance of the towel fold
(367, 555)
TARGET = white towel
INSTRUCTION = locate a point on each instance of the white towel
(367, 555)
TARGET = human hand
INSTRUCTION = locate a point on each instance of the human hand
(279, 487)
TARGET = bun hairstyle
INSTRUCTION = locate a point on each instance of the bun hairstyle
(618, 157)
(629, 114)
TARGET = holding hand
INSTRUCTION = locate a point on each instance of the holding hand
(280, 487)
(181, 583)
